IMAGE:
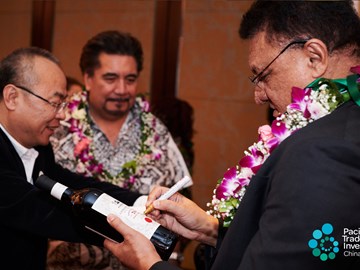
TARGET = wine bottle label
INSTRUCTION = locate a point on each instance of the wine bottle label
(58, 190)
(106, 205)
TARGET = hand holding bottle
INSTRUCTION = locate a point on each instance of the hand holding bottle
(92, 206)
(183, 216)
(136, 251)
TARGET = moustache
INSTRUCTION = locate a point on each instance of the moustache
(119, 99)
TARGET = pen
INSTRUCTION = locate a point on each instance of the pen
(175, 188)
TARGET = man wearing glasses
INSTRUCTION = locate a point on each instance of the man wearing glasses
(33, 92)
(305, 197)
(57, 106)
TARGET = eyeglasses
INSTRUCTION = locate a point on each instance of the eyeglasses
(255, 79)
(57, 106)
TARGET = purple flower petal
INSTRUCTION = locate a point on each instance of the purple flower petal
(228, 184)
(230, 173)
(297, 94)
(355, 69)
(272, 143)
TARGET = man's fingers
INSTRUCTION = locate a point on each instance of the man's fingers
(110, 245)
(167, 205)
(155, 194)
(118, 225)
(115, 222)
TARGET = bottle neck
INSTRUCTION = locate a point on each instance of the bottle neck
(59, 190)
(56, 189)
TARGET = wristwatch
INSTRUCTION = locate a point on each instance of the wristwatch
(178, 256)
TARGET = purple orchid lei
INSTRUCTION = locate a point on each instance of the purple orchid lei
(83, 157)
(307, 105)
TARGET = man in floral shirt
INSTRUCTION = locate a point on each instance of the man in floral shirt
(110, 134)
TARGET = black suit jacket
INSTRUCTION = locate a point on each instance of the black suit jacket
(30, 216)
(311, 179)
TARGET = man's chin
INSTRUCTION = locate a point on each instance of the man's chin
(117, 113)
(119, 110)
(43, 142)
(276, 113)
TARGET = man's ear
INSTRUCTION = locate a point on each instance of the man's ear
(87, 81)
(318, 55)
(10, 97)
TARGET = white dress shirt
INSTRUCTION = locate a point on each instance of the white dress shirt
(28, 156)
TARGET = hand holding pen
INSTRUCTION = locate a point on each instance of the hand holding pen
(175, 188)
(182, 216)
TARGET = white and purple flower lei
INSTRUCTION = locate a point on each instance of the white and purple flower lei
(78, 124)
(308, 105)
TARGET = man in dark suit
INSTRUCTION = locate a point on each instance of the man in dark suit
(309, 186)
(33, 92)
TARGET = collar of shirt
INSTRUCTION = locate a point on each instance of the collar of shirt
(28, 156)
(132, 116)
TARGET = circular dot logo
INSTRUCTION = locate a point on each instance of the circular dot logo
(148, 220)
(323, 245)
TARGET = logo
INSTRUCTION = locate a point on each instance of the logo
(351, 239)
(148, 220)
(323, 245)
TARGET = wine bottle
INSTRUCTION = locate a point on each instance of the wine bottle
(92, 206)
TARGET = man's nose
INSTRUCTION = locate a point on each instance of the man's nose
(60, 114)
(120, 87)
(260, 95)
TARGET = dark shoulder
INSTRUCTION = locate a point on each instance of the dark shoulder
(342, 124)
(164, 266)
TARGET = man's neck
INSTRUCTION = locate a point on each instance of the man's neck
(110, 127)
(340, 64)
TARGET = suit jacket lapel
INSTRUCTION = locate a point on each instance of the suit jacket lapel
(10, 153)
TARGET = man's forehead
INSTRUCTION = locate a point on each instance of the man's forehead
(111, 56)
(41, 60)
(258, 53)
(261, 51)
(50, 75)
(110, 60)
(117, 66)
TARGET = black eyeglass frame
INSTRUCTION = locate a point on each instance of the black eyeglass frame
(57, 106)
(255, 78)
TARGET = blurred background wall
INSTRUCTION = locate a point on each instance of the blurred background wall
(193, 42)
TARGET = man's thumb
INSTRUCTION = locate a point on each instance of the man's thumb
(115, 222)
